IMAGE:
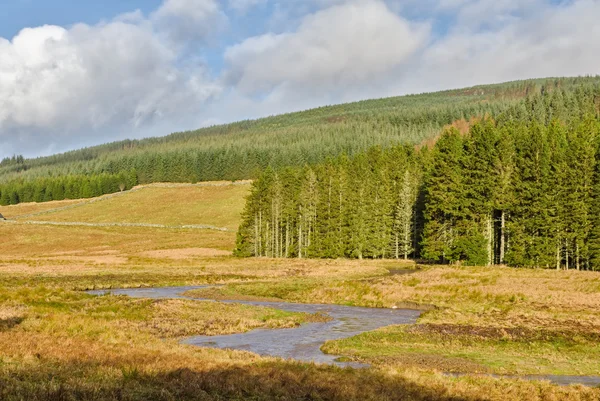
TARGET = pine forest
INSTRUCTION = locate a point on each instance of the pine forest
(520, 188)
(242, 150)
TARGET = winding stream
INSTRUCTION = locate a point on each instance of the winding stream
(303, 343)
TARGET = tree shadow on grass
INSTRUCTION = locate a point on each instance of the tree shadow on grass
(262, 381)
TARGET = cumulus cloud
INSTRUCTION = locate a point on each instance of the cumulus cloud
(141, 75)
(348, 44)
(364, 49)
(57, 83)
(548, 40)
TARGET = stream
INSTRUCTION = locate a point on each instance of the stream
(304, 342)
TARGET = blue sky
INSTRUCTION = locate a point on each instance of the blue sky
(18, 14)
(78, 73)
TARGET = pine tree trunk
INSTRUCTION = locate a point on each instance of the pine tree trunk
(267, 240)
(256, 235)
(269, 250)
(287, 238)
(300, 241)
(415, 244)
(300, 218)
(340, 225)
(577, 256)
(490, 238)
(502, 237)
(260, 233)
(557, 257)
(406, 235)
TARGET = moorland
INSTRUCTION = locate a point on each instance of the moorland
(59, 343)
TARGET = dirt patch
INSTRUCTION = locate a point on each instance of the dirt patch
(96, 259)
(84, 252)
(500, 333)
(180, 254)
(434, 362)
(335, 119)
(402, 272)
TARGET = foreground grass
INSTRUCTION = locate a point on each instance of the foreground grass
(57, 343)
(65, 345)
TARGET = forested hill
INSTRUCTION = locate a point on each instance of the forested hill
(240, 150)
(521, 189)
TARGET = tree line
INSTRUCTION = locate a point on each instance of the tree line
(69, 187)
(522, 189)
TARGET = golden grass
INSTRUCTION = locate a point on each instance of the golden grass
(219, 206)
(13, 211)
(60, 344)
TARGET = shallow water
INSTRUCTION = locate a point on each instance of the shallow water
(303, 343)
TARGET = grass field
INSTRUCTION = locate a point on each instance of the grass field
(57, 343)
(215, 204)
(14, 211)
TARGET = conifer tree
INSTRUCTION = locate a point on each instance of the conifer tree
(444, 199)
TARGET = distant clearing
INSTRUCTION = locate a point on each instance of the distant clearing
(214, 204)
(13, 211)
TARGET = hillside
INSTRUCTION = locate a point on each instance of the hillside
(212, 204)
(236, 151)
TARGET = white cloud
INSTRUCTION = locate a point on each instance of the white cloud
(548, 40)
(244, 5)
(57, 83)
(344, 45)
(189, 20)
(138, 75)
(363, 49)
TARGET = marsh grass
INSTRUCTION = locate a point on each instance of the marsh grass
(463, 350)
(57, 343)
(494, 320)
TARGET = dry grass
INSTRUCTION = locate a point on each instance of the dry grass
(87, 370)
(60, 344)
(219, 206)
(12, 211)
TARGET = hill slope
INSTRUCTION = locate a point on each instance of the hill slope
(215, 204)
(348, 127)
(238, 151)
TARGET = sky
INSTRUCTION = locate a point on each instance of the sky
(79, 73)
